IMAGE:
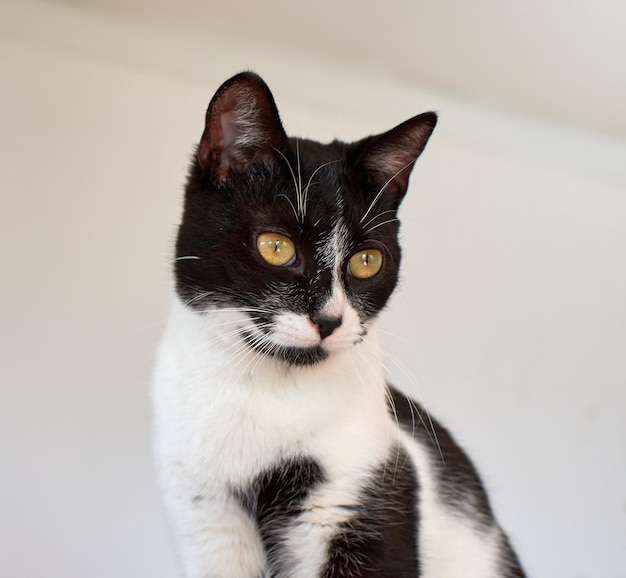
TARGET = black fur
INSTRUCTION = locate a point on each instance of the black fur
(274, 499)
(235, 193)
(460, 485)
(220, 225)
(246, 179)
(381, 538)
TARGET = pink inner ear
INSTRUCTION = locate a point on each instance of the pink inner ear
(230, 131)
(226, 141)
(234, 132)
(221, 142)
(393, 154)
(391, 163)
(242, 126)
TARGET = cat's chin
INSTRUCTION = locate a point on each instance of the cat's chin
(301, 357)
(294, 356)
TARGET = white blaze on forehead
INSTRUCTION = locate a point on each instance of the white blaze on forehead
(332, 248)
(328, 247)
(333, 257)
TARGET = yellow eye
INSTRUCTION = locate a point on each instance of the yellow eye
(276, 249)
(365, 264)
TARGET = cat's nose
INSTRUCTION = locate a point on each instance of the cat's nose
(326, 325)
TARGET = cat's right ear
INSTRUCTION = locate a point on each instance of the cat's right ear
(242, 127)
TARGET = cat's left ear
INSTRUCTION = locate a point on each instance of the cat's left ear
(389, 158)
(242, 127)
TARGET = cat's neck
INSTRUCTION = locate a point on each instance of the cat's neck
(201, 368)
(211, 343)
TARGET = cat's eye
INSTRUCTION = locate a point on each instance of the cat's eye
(365, 264)
(276, 249)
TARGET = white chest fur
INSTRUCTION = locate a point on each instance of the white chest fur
(223, 415)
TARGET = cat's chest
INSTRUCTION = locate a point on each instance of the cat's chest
(242, 421)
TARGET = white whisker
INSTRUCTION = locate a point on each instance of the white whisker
(306, 189)
(380, 225)
(299, 191)
(382, 190)
(377, 217)
(290, 203)
(293, 175)
(428, 424)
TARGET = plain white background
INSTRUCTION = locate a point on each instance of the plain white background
(510, 322)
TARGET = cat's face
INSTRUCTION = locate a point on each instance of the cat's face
(298, 237)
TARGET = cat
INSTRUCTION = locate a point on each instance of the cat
(281, 451)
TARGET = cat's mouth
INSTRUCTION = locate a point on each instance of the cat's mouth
(290, 354)
(296, 342)
(300, 356)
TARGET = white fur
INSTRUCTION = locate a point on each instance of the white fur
(221, 419)
(250, 132)
(450, 544)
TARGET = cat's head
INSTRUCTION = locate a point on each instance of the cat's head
(300, 238)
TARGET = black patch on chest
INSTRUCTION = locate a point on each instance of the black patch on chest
(381, 539)
(274, 498)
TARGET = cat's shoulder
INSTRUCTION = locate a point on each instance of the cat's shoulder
(457, 480)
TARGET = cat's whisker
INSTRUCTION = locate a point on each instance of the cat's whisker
(261, 345)
(242, 309)
(428, 427)
(293, 176)
(306, 189)
(245, 354)
(384, 187)
(223, 337)
(387, 435)
(242, 346)
(241, 356)
(233, 322)
(199, 297)
(392, 406)
(187, 257)
(428, 423)
(381, 224)
(250, 315)
(377, 216)
(239, 344)
(290, 203)
(301, 208)
(235, 348)
(358, 371)
(249, 309)
(265, 349)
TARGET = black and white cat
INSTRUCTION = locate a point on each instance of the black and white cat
(280, 448)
